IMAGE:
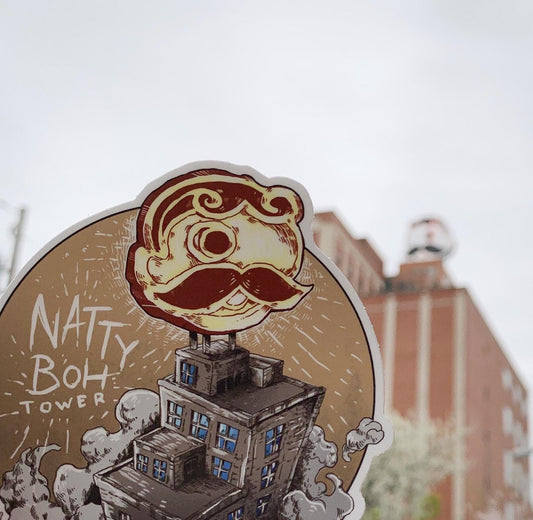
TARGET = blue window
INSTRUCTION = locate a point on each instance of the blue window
(221, 468)
(227, 437)
(199, 425)
(142, 463)
(238, 514)
(160, 470)
(188, 373)
(273, 440)
(175, 414)
(262, 504)
(268, 474)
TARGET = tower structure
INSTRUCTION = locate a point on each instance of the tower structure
(442, 362)
(231, 432)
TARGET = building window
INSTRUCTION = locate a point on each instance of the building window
(273, 440)
(142, 463)
(227, 437)
(200, 425)
(188, 373)
(175, 414)
(339, 254)
(507, 419)
(238, 514)
(508, 467)
(509, 511)
(268, 474)
(262, 504)
(221, 468)
(123, 516)
(160, 470)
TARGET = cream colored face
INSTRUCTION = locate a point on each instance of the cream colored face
(217, 253)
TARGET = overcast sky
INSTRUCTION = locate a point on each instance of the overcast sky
(385, 111)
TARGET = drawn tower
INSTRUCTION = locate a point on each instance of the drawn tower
(232, 430)
(216, 253)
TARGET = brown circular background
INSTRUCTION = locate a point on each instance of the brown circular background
(321, 341)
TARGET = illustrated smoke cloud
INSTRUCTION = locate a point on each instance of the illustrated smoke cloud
(137, 412)
(24, 492)
(308, 499)
(4, 515)
(368, 432)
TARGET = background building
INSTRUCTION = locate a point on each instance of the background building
(442, 362)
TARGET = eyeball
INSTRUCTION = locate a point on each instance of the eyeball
(211, 241)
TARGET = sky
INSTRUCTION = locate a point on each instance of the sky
(384, 111)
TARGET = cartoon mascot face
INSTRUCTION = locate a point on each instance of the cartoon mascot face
(217, 252)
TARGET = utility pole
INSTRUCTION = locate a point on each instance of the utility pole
(17, 234)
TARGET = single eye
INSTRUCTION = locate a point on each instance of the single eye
(211, 241)
(216, 242)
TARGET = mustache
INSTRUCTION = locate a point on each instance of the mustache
(203, 288)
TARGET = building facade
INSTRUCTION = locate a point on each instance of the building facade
(441, 361)
(355, 257)
(232, 430)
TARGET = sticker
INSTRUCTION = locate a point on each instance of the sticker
(188, 355)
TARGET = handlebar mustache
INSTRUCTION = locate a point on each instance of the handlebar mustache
(206, 287)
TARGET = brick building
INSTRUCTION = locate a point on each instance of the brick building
(232, 429)
(441, 361)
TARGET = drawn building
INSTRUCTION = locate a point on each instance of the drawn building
(441, 361)
(232, 429)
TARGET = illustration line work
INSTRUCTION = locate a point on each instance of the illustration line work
(225, 257)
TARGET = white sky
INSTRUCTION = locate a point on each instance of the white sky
(384, 111)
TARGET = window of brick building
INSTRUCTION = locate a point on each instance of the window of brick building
(339, 254)
(350, 270)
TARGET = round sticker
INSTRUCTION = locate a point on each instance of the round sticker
(193, 339)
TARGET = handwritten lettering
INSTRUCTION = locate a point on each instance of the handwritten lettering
(74, 322)
(46, 406)
(44, 369)
(90, 324)
(39, 313)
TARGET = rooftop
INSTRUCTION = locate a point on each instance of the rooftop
(363, 245)
(205, 494)
(216, 349)
(168, 441)
(419, 276)
(250, 400)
